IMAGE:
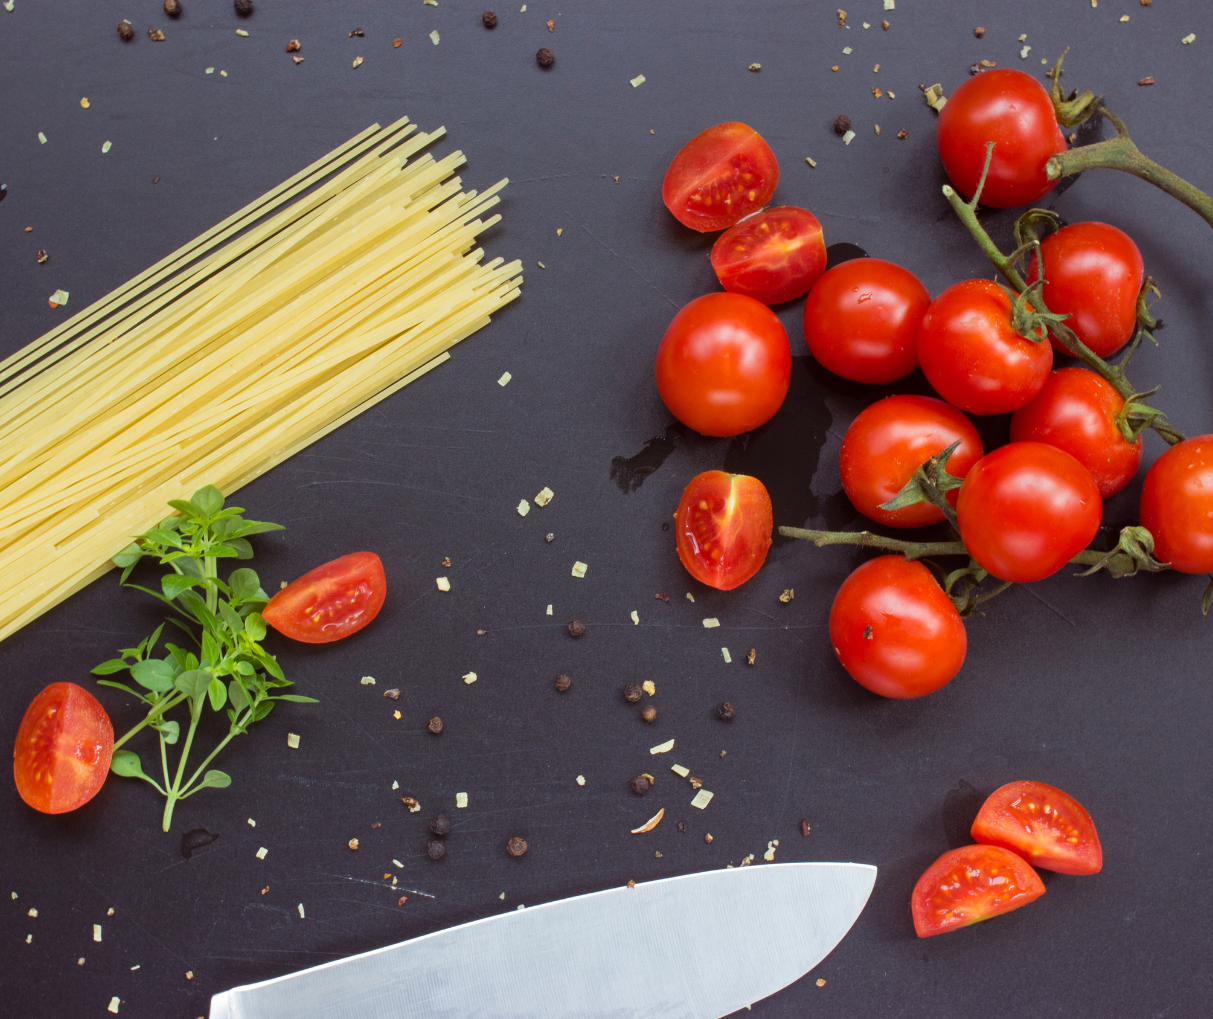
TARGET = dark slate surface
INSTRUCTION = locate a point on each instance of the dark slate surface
(1098, 686)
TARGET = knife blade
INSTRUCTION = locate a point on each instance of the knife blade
(697, 946)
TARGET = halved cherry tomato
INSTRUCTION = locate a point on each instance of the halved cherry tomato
(330, 602)
(63, 749)
(1048, 828)
(1026, 509)
(724, 524)
(1177, 505)
(969, 884)
(1093, 273)
(861, 320)
(772, 256)
(1011, 109)
(972, 356)
(889, 441)
(719, 177)
(1076, 411)
(724, 364)
(895, 631)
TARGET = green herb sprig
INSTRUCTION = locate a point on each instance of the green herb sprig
(227, 668)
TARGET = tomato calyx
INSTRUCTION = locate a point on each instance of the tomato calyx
(930, 482)
(1133, 552)
(1073, 109)
(1031, 324)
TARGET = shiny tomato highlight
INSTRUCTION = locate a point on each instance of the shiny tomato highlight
(63, 749)
(330, 602)
(773, 256)
(724, 525)
(719, 177)
(969, 884)
(1048, 828)
(724, 364)
(1177, 505)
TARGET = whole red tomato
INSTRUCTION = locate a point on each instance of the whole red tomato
(1093, 273)
(771, 256)
(330, 602)
(724, 364)
(972, 356)
(1047, 827)
(724, 524)
(1027, 509)
(969, 884)
(1177, 505)
(719, 177)
(895, 631)
(1076, 411)
(1011, 109)
(861, 320)
(63, 749)
(889, 441)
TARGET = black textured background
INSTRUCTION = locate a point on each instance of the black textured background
(1098, 686)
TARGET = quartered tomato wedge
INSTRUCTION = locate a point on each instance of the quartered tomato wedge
(1048, 828)
(63, 749)
(970, 884)
(719, 177)
(773, 256)
(330, 602)
(724, 524)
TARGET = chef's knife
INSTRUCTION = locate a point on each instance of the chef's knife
(699, 946)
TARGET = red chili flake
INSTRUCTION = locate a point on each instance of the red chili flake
(402, 900)
(156, 179)
(804, 829)
(1147, 81)
(979, 31)
(903, 134)
(659, 596)
(155, 35)
(397, 43)
(292, 46)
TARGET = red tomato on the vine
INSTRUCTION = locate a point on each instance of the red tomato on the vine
(719, 177)
(63, 749)
(724, 525)
(973, 357)
(861, 320)
(969, 884)
(330, 602)
(724, 364)
(1047, 827)
(895, 631)
(1093, 273)
(1027, 509)
(1011, 109)
(1076, 411)
(773, 256)
(889, 441)
(1177, 505)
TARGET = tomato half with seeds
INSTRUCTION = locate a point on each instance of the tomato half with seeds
(1048, 828)
(330, 602)
(969, 884)
(889, 441)
(1177, 505)
(1076, 411)
(773, 256)
(719, 177)
(63, 749)
(724, 525)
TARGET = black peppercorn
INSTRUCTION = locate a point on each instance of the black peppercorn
(726, 712)
(441, 825)
(631, 693)
(576, 628)
(126, 32)
(842, 124)
(436, 850)
(172, 8)
(649, 713)
(641, 784)
(516, 846)
(243, 7)
(545, 57)
(563, 683)
(489, 19)
(435, 725)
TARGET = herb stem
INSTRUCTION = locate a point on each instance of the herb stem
(173, 793)
(169, 702)
(234, 730)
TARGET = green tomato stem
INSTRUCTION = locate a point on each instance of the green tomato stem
(866, 539)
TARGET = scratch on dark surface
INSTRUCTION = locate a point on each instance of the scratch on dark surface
(1051, 608)
(382, 884)
(629, 265)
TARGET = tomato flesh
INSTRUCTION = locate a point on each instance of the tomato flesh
(1047, 827)
(724, 525)
(969, 884)
(63, 749)
(330, 602)
(1177, 505)
(773, 256)
(719, 177)
(889, 441)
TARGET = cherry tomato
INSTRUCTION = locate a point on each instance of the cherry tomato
(889, 441)
(63, 749)
(1011, 109)
(973, 357)
(1026, 510)
(724, 364)
(894, 630)
(1076, 411)
(1048, 828)
(1093, 273)
(773, 256)
(330, 602)
(1177, 505)
(719, 177)
(724, 525)
(861, 320)
(969, 884)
